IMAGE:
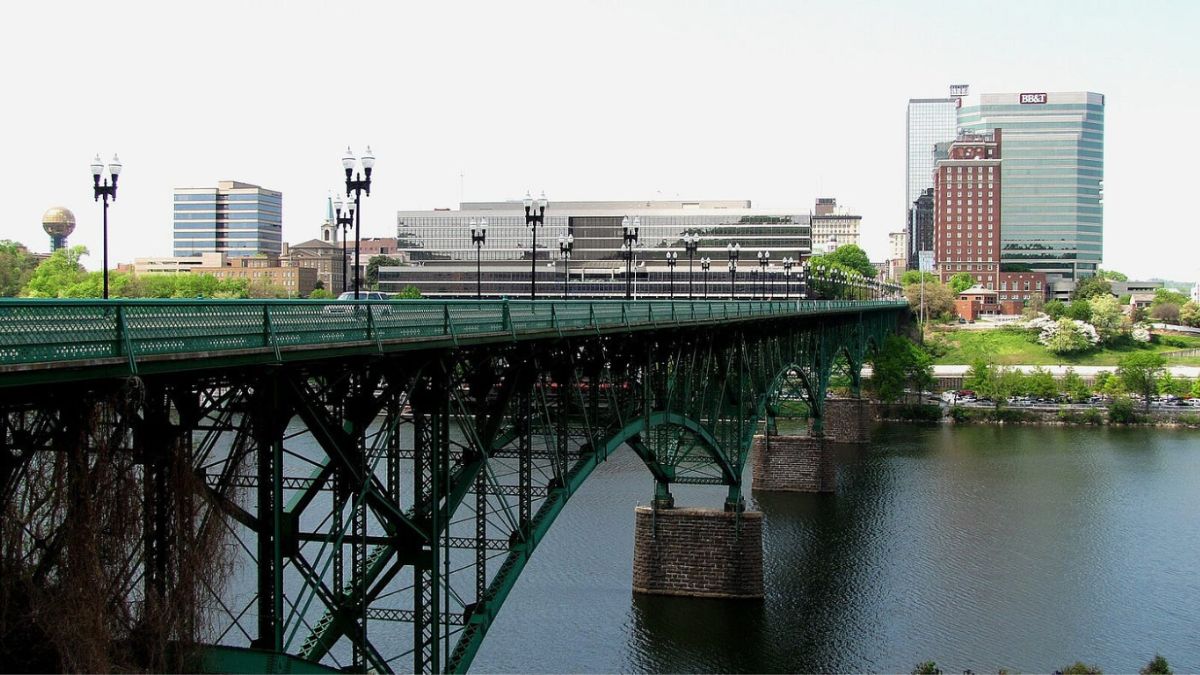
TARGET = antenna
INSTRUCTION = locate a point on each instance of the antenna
(461, 177)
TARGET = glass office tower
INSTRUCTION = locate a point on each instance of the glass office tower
(929, 121)
(237, 219)
(1053, 172)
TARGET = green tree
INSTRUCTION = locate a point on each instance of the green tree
(1111, 275)
(1157, 666)
(1074, 386)
(1068, 338)
(1090, 287)
(16, 268)
(1196, 388)
(1041, 384)
(1168, 296)
(848, 257)
(915, 276)
(1140, 372)
(961, 282)
(375, 263)
(939, 299)
(1107, 317)
(1079, 310)
(1168, 312)
(897, 365)
(926, 668)
(1081, 668)
(408, 293)
(1189, 314)
(1055, 309)
(56, 274)
(319, 294)
(1100, 380)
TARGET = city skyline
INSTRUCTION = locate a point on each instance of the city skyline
(748, 112)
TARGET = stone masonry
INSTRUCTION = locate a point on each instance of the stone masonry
(696, 552)
(793, 464)
(848, 420)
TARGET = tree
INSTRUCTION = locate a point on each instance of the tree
(1168, 312)
(1107, 317)
(1074, 386)
(939, 299)
(319, 285)
(915, 277)
(1111, 275)
(375, 263)
(409, 293)
(16, 267)
(56, 274)
(961, 282)
(1055, 309)
(1196, 388)
(991, 382)
(1090, 287)
(1040, 384)
(849, 257)
(1081, 668)
(1068, 336)
(1168, 296)
(1157, 666)
(898, 365)
(1080, 310)
(1189, 314)
(319, 294)
(1140, 371)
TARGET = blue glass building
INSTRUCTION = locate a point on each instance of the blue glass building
(237, 219)
(1052, 171)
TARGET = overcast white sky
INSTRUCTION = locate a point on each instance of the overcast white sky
(776, 102)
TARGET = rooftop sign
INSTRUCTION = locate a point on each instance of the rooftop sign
(1033, 98)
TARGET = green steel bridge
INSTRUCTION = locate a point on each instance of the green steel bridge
(375, 474)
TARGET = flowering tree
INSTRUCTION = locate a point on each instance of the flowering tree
(1067, 336)
(1107, 317)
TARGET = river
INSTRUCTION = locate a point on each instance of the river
(981, 548)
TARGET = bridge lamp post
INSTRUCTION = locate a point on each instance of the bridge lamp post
(533, 220)
(565, 244)
(691, 242)
(344, 222)
(734, 250)
(788, 262)
(629, 233)
(672, 260)
(358, 183)
(108, 191)
(478, 237)
(705, 264)
(764, 257)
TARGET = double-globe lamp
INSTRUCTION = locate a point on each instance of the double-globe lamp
(106, 190)
(357, 184)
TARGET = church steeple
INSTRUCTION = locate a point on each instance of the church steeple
(329, 230)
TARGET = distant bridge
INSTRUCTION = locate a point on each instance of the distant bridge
(387, 468)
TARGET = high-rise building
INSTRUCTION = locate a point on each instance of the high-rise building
(834, 226)
(928, 122)
(966, 194)
(237, 219)
(1053, 173)
(920, 226)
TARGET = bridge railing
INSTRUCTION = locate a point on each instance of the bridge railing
(55, 331)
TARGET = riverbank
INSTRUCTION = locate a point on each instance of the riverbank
(1039, 416)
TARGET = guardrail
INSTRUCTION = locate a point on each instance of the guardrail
(72, 331)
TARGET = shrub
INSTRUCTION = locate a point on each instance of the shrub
(919, 413)
(960, 414)
(1120, 411)
(1189, 418)
(1012, 415)
(1081, 668)
(1157, 666)
(926, 668)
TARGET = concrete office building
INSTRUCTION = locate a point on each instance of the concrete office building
(834, 226)
(1053, 173)
(237, 219)
(438, 244)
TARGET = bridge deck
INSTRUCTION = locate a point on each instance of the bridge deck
(48, 340)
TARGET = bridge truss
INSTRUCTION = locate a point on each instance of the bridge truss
(380, 507)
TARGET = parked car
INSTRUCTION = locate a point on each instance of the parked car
(348, 297)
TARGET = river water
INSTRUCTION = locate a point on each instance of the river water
(1025, 548)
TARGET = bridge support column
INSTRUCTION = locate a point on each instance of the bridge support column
(706, 553)
(848, 420)
(793, 464)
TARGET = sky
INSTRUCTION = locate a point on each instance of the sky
(775, 102)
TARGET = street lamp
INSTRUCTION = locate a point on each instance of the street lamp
(764, 257)
(565, 244)
(705, 264)
(358, 184)
(691, 242)
(478, 237)
(629, 229)
(734, 251)
(345, 223)
(672, 260)
(106, 190)
(533, 220)
(788, 262)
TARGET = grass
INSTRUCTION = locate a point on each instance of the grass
(1013, 347)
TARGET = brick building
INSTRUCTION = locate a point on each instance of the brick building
(966, 229)
(266, 272)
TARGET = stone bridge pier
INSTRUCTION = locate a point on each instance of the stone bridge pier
(706, 553)
(848, 420)
(785, 463)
